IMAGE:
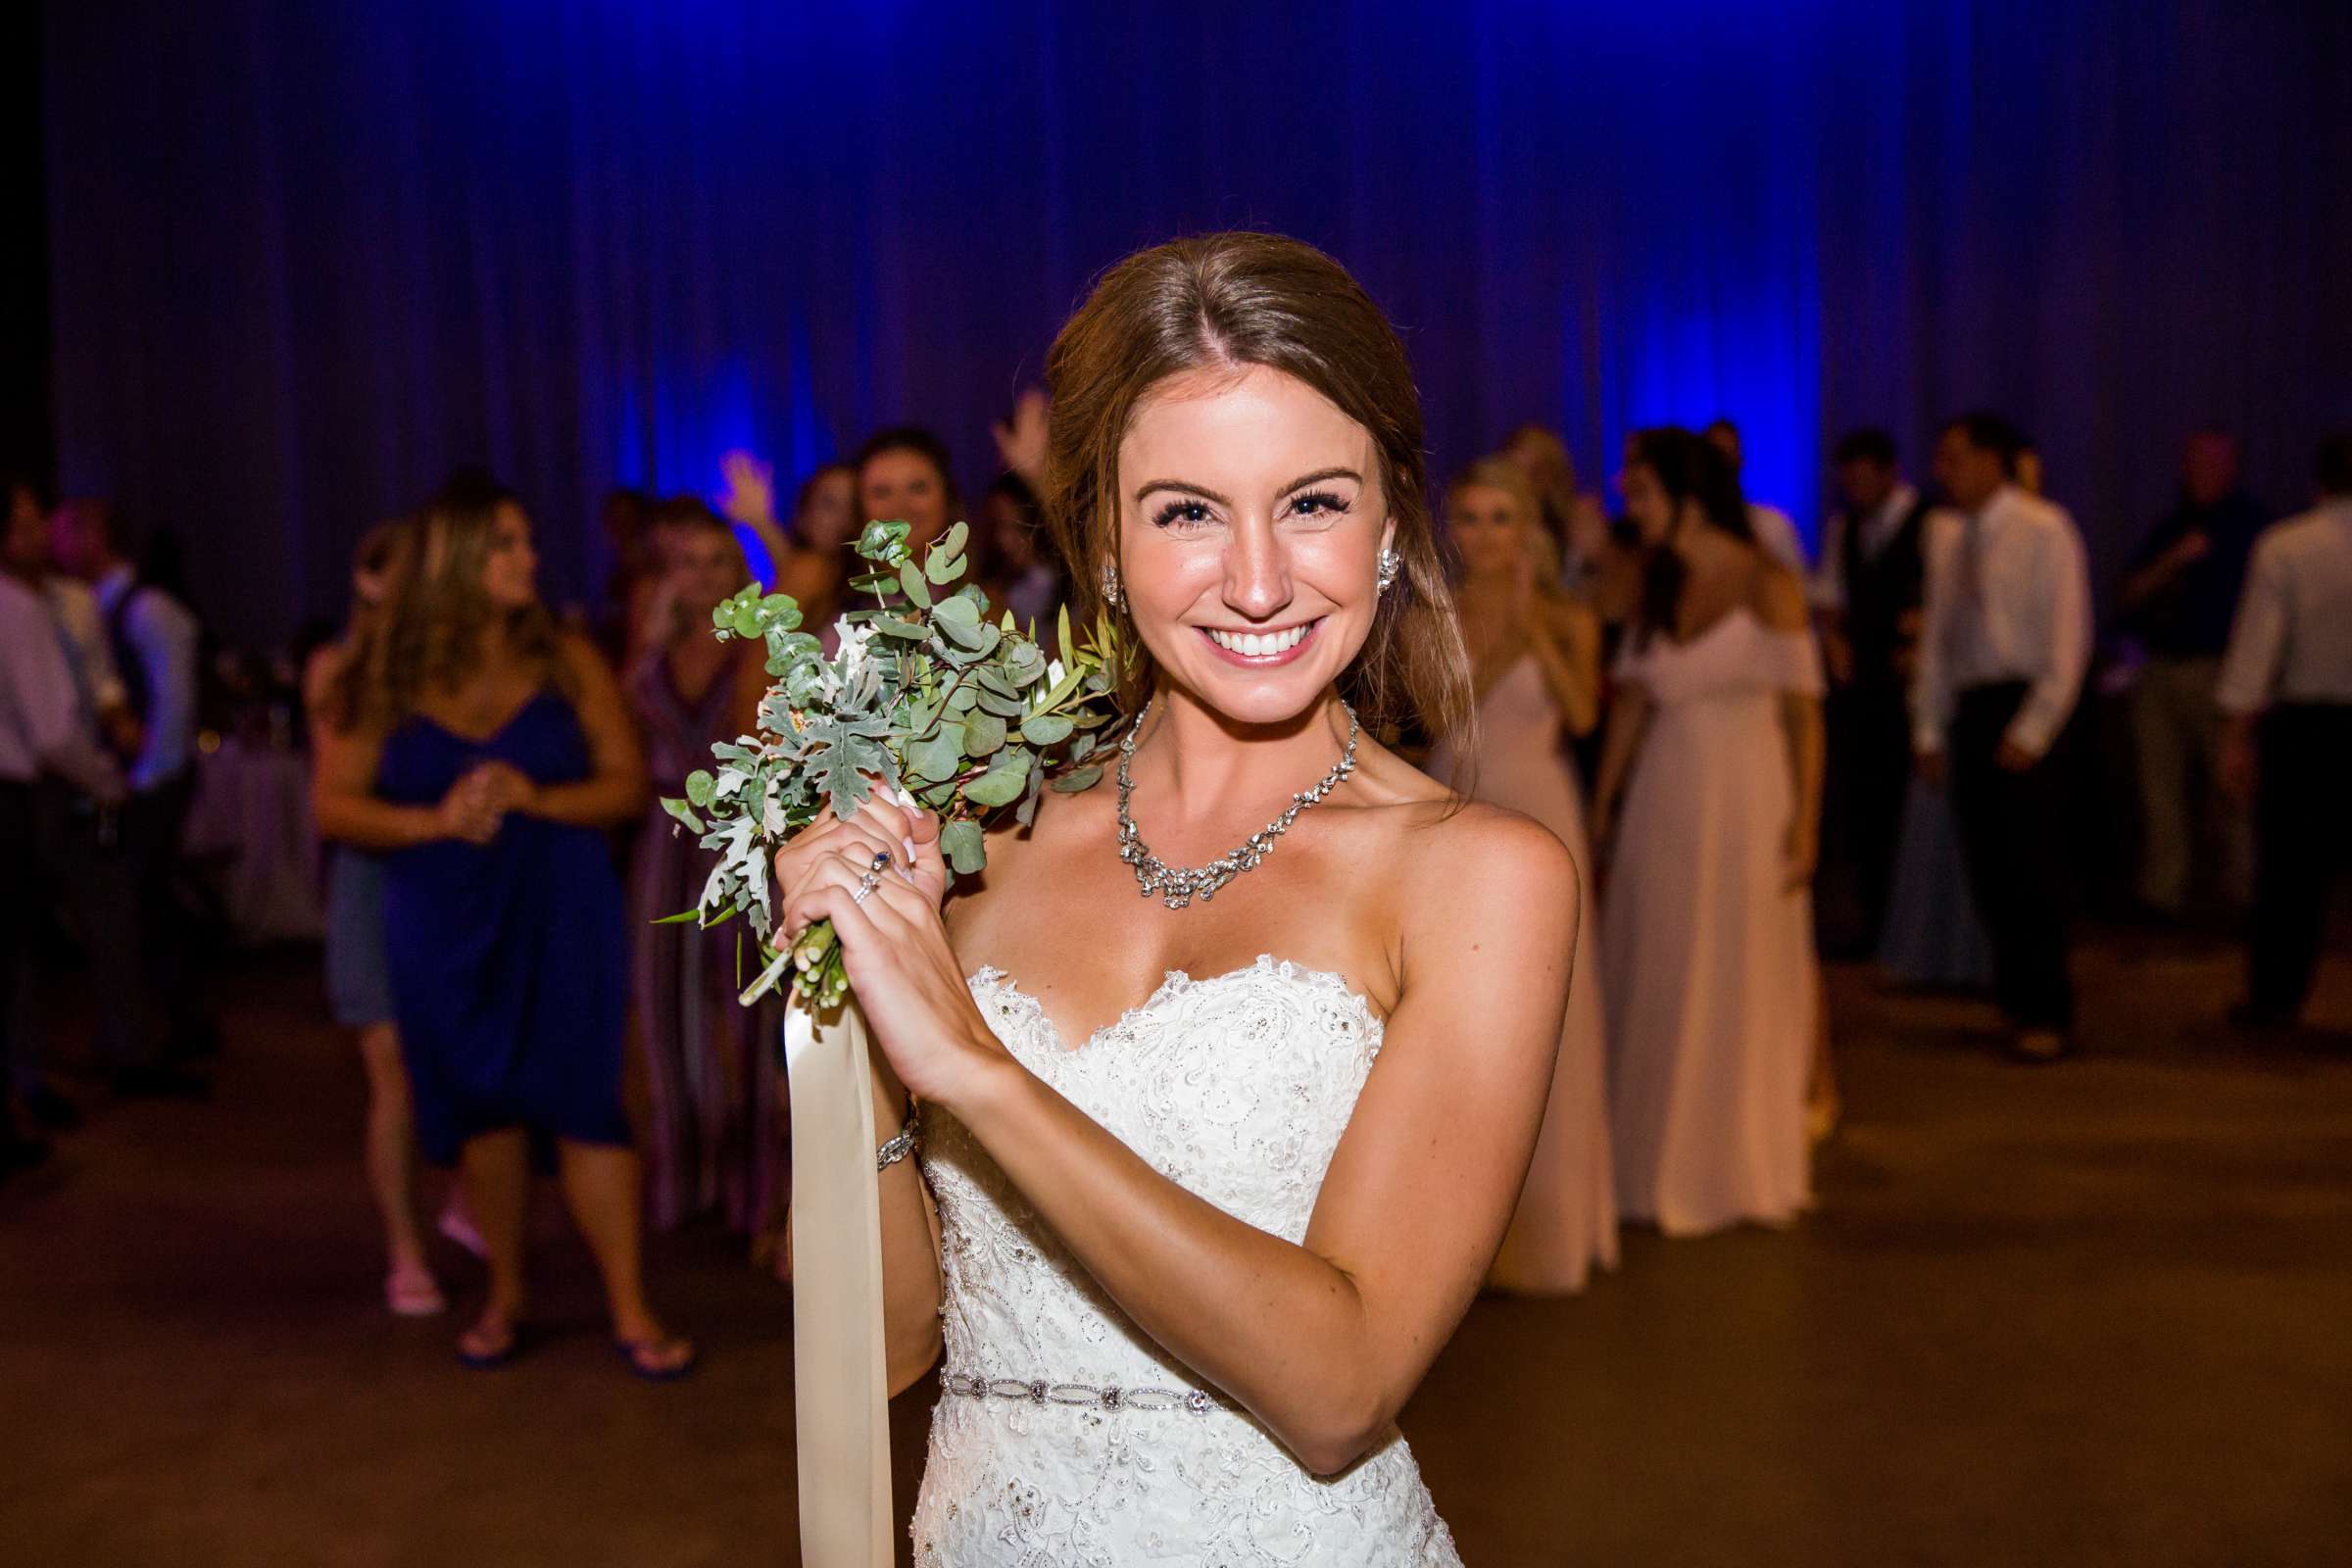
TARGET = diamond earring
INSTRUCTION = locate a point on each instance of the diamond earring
(1111, 586)
(1390, 563)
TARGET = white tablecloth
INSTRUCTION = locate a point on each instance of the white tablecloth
(250, 830)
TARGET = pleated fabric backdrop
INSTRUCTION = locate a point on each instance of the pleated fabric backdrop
(305, 258)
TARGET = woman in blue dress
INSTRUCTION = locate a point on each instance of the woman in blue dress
(359, 987)
(486, 756)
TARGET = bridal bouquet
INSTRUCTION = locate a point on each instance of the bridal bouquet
(925, 697)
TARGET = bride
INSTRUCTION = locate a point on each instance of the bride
(1192, 1252)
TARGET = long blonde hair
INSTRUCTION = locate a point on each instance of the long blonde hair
(426, 635)
(1234, 299)
(1498, 472)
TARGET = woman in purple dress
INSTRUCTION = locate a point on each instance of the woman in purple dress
(711, 1090)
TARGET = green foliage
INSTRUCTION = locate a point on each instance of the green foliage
(925, 693)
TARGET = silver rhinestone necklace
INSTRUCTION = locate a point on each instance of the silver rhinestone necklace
(1176, 885)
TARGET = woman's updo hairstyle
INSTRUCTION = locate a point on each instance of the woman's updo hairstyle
(1226, 302)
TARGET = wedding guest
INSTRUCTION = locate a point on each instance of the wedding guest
(2178, 601)
(1011, 556)
(1867, 593)
(80, 861)
(158, 646)
(1577, 526)
(359, 986)
(811, 558)
(1709, 810)
(904, 475)
(1535, 655)
(2285, 691)
(2003, 645)
(43, 734)
(487, 752)
(711, 1134)
(1775, 530)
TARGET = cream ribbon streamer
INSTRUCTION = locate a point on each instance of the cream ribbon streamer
(840, 1391)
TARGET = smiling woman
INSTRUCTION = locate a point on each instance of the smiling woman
(1229, 1227)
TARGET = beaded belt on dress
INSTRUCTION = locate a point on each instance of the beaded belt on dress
(1089, 1395)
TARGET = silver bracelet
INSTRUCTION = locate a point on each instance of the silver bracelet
(900, 1144)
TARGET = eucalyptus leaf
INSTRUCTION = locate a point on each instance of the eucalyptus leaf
(884, 541)
(944, 568)
(684, 813)
(911, 581)
(1026, 813)
(1001, 707)
(1001, 785)
(964, 844)
(983, 733)
(1078, 778)
(939, 755)
(699, 785)
(957, 610)
(1046, 729)
(892, 626)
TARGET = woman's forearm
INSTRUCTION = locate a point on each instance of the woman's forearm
(604, 801)
(369, 823)
(1627, 716)
(1569, 655)
(1800, 725)
(1282, 1331)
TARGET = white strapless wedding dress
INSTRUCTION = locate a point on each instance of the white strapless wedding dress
(1063, 1436)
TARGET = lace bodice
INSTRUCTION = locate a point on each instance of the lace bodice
(1237, 1088)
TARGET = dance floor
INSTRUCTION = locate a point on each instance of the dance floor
(2087, 1314)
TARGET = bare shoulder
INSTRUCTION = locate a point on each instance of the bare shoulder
(319, 674)
(1484, 880)
(582, 659)
(1779, 599)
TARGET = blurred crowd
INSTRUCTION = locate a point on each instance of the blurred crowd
(1876, 750)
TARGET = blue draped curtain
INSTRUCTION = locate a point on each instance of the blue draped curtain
(305, 258)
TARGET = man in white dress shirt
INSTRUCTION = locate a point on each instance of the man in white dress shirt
(2003, 646)
(1774, 529)
(41, 735)
(158, 642)
(2286, 686)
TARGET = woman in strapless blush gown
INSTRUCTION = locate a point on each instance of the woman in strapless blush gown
(1536, 656)
(1216, 1168)
(1712, 775)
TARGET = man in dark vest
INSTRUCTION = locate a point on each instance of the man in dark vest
(1867, 591)
(158, 650)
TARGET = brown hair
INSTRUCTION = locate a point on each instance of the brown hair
(426, 635)
(1240, 299)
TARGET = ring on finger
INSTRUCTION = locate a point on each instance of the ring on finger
(865, 888)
